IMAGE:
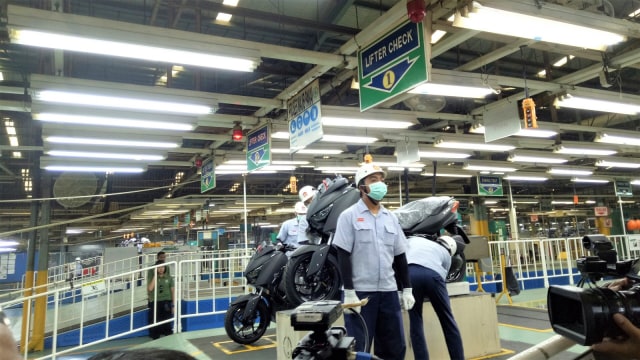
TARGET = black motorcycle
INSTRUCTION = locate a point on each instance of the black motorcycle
(312, 272)
(427, 217)
(249, 316)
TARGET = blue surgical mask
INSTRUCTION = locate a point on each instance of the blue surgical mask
(301, 217)
(377, 190)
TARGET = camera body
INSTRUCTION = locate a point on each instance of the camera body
(324, 341)
(586, 315)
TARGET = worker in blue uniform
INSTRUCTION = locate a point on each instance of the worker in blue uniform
(370, 244)
(429, 262)
(289, 230)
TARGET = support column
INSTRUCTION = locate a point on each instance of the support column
(479, 221)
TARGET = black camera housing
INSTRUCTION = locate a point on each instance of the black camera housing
(323, 342)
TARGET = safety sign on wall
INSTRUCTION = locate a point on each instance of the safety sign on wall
(305, 118)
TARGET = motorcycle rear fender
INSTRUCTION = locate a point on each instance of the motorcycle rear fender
(318, 259)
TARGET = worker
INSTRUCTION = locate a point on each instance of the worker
(370, 243)
(306, 194)
(429, 262)
(289, 230)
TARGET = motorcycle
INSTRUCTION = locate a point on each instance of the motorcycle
(249, 316)
(312, 272)
(427, 217)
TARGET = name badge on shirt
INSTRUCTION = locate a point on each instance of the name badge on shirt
(360, 219)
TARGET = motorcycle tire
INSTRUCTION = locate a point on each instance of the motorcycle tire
(458, 270)
(324, 285)
(242, 332)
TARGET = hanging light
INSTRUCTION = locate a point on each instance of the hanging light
(293, 184)
(237, 134)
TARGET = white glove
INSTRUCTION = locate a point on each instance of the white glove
(350, 297)
(407, 300)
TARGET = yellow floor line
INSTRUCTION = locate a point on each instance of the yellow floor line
(501, 353)
(526, 328)
(247, 348)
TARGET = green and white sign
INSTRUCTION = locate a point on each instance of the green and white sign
(490, 186)
(623, 188)
(207, 176)
(258, 148)
(393, 64)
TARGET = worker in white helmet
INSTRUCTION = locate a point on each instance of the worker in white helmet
(370, 245)
(306, 194)
(288, 234)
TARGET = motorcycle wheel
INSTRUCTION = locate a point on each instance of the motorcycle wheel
(246, 331)
(458, 270)
(324, 285)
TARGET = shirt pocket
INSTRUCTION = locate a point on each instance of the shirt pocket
(364, 232)
(292, 232)
(390, 234)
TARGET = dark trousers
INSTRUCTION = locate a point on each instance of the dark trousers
(384, 325)
(163, 312)
(428, 284)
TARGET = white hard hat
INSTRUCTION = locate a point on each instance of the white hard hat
(449, 243)
(77, 259)
(306, 193)
(366, 170)
(300, 208)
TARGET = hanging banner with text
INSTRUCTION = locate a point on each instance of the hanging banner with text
(490, 186)
(207, 176)
(258, 148)
(393, 64)
(305, 118)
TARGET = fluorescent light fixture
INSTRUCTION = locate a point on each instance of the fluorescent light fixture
(522, 177)
(448, 174)
(347, 139)
(111, 121)
(97, 168)
(561, 202)
(587, 150)
(590, 180)
(540, 132)
(629, 163)
(437, 154)
(574, 101)
(399, 168)
(470, 145)
(273, 162)
(237, 167)
(308, 151)
(625, 201)
(109, 142)
(452, 90)
(7, 243)
(102, 155)
(495, 20)
(535, 157)
(76, 98)
(620, 139)
(7, 249)
(92, 35)
(490, 166)
(337, 168)
(365, 123)
(525, 201)
(224, 17)
(575, 171)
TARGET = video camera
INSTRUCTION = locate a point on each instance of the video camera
(585, 315)
(324, 341)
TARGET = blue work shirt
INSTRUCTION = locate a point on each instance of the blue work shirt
(373, 241)
(429, 254)
(289, 232)
(303, 224)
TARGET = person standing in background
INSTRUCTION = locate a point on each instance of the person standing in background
(370, 244)
(160, 288)
(290, 229)
(429, 262)
(306, 195)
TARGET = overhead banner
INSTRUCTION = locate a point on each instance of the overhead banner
(393, 64)
(490, 186)
(207, 176)
(258, 148)
(305, 118)
(623, 188)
